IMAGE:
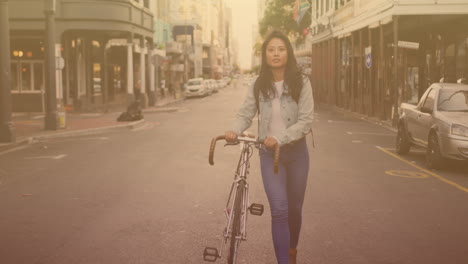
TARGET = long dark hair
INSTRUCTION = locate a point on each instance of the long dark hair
(292, 74)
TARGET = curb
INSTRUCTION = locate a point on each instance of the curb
(82, 132)
(160, 110)
(176, 101)
(375, 121)
(90, 131)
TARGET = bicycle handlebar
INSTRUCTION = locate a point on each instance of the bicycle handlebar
(248, 139)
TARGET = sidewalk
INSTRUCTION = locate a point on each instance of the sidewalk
(374, 120)
(29, 127)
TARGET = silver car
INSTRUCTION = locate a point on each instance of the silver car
(439, 123)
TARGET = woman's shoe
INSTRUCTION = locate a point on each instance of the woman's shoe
(292, 255)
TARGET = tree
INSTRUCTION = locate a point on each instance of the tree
(279, 15)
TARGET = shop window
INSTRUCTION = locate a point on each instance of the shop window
(14, 77)
(118, 78)
(449, 64)
(97, 53)
(38, 73)
(321, 7)
(412, 89)
(27, 76)
(26, 84)
(461, 67)
(97, 78)
(316, 8)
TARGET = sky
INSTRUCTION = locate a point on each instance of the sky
(244, 16)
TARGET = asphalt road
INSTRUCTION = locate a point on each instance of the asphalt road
(148, 195)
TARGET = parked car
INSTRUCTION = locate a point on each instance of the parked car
(211, 87)
(220, 83)
(196, 87)
(227, 80)
(214, 85)
(439, 123)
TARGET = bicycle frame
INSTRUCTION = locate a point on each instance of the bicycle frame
(239, 223)
(240, 176)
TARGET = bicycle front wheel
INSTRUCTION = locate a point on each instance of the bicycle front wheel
(236, 224)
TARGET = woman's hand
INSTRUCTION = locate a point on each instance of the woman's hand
(270, 142)
(230, 136)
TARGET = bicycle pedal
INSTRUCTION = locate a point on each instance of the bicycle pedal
(210, 254)
(256, 209)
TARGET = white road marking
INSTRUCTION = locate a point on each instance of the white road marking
(81, 139)
(183, 110)
(61, 156)
(369, 134)
(91, 114)
(357, 141)
(11, 150)
(412, 151)
(146, 126)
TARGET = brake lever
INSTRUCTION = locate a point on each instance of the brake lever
(231, 144)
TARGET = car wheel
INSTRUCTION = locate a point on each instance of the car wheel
(403, 143)
(434, 159)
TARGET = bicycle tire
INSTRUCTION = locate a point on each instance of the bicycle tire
(236, 224)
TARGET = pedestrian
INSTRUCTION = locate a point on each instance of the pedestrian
(282, 96)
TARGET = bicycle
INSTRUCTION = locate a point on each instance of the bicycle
(238, 200)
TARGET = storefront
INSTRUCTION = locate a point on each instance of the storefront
(358, 71)
(98, 54)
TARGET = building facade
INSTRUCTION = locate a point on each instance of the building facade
(368, 56)
(101, 48)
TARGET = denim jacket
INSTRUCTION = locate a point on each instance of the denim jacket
(296, 116)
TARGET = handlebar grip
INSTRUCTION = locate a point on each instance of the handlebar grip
(276, 161)
(212, 148)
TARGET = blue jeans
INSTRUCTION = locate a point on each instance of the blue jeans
(285, 191)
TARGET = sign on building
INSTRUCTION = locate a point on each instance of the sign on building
(408, 45)
(368, 52)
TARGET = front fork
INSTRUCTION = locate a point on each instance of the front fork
(230, 215)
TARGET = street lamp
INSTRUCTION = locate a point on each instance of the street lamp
(6, 125)
(51, 116)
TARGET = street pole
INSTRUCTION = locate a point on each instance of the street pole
(7, 130)
(51, 117)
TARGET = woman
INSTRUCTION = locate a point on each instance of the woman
(283, 98)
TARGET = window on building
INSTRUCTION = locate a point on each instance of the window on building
(321, 7)
(97, 78)
(38, 73)
(461, 67)
(317, 8)
(449, 64)
(14, 77)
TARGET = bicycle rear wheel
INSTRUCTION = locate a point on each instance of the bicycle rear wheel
(236, 224)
